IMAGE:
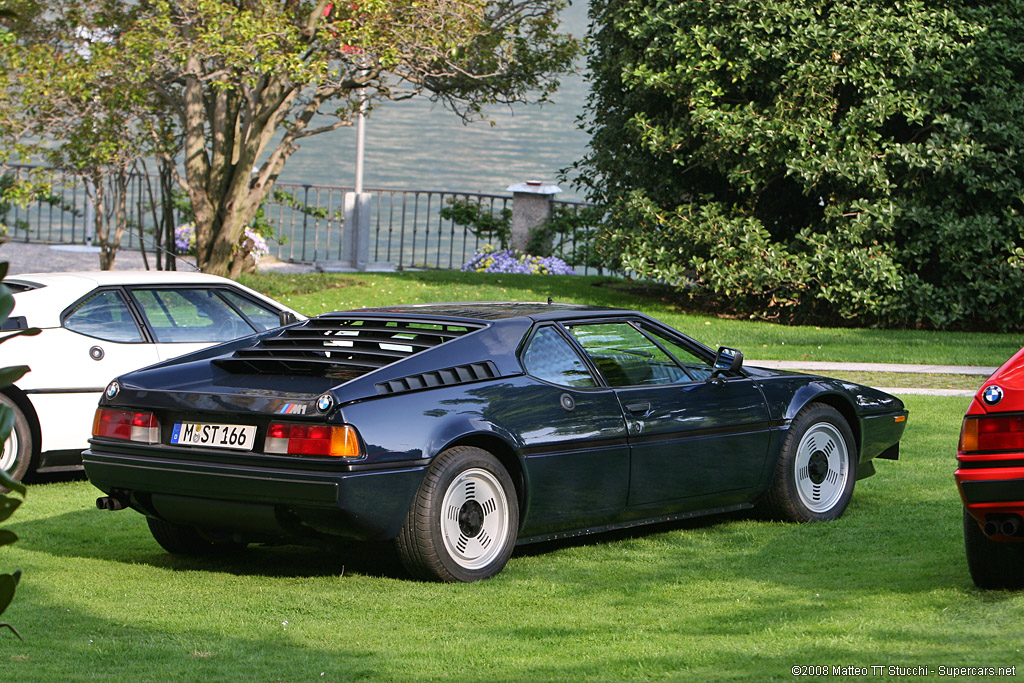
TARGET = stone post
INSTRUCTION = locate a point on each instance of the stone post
(531, 207)
(355, 239)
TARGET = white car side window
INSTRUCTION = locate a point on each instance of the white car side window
(190, 315)
(104, 315)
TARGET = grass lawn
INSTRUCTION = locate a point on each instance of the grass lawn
(319, 293)
(725, 598)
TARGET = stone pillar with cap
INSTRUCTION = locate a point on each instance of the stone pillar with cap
(531, 207)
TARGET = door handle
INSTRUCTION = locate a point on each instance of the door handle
(641, 407)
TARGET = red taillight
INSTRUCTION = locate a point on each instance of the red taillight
(299, 439)
(995, 433)
(126, 425)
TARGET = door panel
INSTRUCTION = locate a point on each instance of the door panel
(691, 434)
(694, 440)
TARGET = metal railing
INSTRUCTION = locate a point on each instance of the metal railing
(407, 229)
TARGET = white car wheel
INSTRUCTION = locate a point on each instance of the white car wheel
(16, 458)
(816, 469)
(474, 519)
(822, 467)
(464, 519)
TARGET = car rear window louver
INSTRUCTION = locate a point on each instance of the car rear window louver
(460, 374)
(342, 347)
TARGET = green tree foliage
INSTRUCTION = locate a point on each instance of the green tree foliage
(68, 100)
(246, 80)
(844, 160)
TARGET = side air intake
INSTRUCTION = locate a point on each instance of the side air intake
(461, 374)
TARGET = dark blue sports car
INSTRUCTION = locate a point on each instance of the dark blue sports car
(462, 429)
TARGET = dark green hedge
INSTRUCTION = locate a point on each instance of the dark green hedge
(857, 161)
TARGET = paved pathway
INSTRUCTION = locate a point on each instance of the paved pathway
(36, 258)
(47, 258)
(818, 366)
(825, 367)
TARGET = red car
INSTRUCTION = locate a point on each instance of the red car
(990, 477)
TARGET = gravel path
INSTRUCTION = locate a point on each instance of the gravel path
(52, 258)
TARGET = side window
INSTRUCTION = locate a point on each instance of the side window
(550, 357)
(261, 316)
(695, 366)
(104, 315)
(626, 357)
(190, 315)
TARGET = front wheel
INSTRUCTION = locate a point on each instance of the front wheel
(16, 457)
(816, 470)
(993, 564)
(463, 522)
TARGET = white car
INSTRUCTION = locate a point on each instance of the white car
(96, 326)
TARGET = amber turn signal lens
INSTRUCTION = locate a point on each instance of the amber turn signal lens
(969, 435)
(299, 439)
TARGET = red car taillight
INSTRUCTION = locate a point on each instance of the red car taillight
(126, 425)
(299, 439)
(992, 433)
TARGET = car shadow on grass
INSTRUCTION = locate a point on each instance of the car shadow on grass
(920, 552)
(124, 537)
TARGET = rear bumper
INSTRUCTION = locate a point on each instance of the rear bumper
(260, 502)
(991, 490)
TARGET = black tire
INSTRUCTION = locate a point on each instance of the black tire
(816, 470)
(16, 453)
(177, 539)
(463, 522)
(993, 564)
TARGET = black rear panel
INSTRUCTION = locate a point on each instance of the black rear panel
(343, 347)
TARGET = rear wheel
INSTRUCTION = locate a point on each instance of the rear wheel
(993, 564)
(16, 457)
(816, 470)
(463, 522)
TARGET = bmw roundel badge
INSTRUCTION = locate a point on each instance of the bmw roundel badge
(992, 394)
(324, 403)
(113, 389)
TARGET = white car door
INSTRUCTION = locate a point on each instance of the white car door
(71, 365)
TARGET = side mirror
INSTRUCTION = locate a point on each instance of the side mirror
(286, 318)
(727, 360)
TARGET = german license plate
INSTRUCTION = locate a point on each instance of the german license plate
(240, 437)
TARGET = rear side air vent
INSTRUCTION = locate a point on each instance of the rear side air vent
(440, 378)
(343, 347)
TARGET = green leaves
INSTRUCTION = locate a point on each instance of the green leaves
(854, 160)
(8, 504)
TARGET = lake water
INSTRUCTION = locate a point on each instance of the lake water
(416, 145)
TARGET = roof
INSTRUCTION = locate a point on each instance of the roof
(51, 293)
(487, 310)
(87, 279)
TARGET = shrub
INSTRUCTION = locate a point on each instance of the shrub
(8, 503)
(848, 161)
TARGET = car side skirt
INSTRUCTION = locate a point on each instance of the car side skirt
(628, 524)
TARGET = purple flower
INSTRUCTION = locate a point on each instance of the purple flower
(487, 259)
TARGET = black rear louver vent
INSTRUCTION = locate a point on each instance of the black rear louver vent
(341, 347)
(461, 374)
